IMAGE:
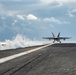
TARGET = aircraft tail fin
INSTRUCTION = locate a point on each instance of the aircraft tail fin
(58, 34)
(53, 34)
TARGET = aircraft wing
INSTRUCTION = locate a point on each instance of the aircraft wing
(48, 38)
(64, 38)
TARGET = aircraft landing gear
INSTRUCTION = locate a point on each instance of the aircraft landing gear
(54, 41)
(59, 41)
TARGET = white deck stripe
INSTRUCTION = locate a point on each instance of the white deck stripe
(5, 59)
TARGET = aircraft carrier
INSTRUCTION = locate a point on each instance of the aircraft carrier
(55, 59)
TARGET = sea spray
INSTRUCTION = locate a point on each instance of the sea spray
(19, 42)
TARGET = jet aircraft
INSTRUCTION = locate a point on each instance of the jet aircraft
(56, 38)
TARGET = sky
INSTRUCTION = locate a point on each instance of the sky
(37, 18)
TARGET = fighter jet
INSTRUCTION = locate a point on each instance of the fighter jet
(56, 38)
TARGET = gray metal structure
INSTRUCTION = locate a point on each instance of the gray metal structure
(56, 38)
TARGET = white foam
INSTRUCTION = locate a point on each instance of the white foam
(19, 41)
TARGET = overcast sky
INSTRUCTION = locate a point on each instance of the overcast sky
(38, 18)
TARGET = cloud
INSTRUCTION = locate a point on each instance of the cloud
(51, 1)
(54, 20)
(56, 3)
(28, 17)
(46, 1)
(8, 13)
(15, 21)
(31, 17)
(20, 17)
(72, 13)
(65, 22)
(3, 11)
(16, 14)
(66, 1)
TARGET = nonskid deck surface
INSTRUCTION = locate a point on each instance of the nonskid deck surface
(64, 45)
(56, 59)
(8, 52)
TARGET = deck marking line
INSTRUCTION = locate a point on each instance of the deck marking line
(5, 59)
